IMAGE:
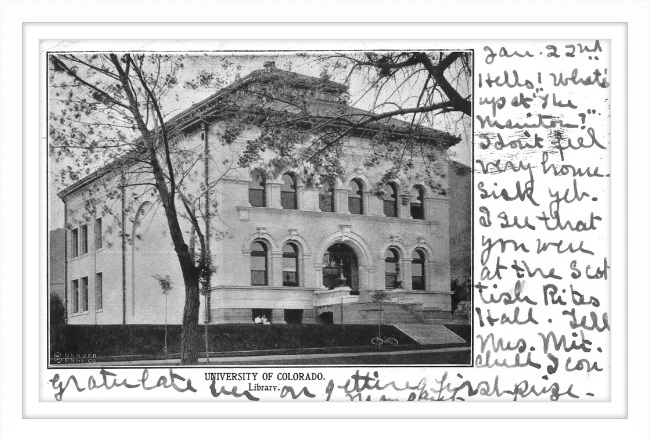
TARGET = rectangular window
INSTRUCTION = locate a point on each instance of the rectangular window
(289, 271)
(391, 274)
(391, 280)
(288, 200)
(83, 239)
(259, 314)
(417, 275)
(293, 316)
(354, 205)
(99, 299)
(326, 203)
(416, 211)
(258, 270)
(74, 243)
(289, 278)
(75, 297)
(256, 197)
(84, 294)
(390, 209)
(98, 234)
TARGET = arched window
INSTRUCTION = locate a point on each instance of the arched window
(326, 198)
(259, 264)
(256, 195)
(392, 270)
(417, 202)
(355, 197)
(290, 265)
(417, 270)
(288, 193)
(390, 200)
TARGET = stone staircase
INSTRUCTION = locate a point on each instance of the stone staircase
(428, 334)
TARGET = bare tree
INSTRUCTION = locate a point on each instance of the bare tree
(107, 109)
(399, 98)
(107, 116)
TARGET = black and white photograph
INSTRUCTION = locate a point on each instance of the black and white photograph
(255, 208)
(294, 208)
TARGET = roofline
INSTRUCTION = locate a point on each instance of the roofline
(176, 123)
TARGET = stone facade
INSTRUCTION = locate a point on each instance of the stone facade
(111, 277)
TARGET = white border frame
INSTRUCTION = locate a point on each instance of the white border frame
(628, 405)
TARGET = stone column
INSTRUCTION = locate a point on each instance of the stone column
(275, 266)
(405, 206)
(300, 193)
(273, 195)
(407, 273)
(318, 276)
(278, 316)
(341, 201)
(366, 202)
(372, 278)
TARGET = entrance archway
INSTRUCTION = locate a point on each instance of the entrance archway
(341, 268)
(326, 318)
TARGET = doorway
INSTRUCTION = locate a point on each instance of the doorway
(341, 268)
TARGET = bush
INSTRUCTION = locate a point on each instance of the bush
(463, 311)
(113, 340)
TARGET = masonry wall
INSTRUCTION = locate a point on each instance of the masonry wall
(134, 295)
(460, 226)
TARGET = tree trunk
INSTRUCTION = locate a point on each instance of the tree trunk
(190, 337)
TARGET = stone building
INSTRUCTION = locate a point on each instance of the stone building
(290, 249)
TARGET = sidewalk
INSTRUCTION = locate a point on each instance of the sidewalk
(292, 359)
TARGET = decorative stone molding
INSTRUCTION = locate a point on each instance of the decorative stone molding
(345, 231)
(244, 213)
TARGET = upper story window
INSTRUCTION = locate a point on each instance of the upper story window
(74, 298)
(83, 239)
(256, 196)
(84, 294)
(290, 265)
(326, 198)
(98, 234)
(392, 268)
(259, 264)
(355, 197)
(417, 202)
(74, 242)
(288, 194)
(99, 291)
(417, 270)
(390, 200)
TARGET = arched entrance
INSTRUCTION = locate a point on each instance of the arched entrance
(326, 318)
(341, 268)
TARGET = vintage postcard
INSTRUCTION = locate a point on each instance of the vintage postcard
(274, 222)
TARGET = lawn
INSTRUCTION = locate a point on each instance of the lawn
(148, 340)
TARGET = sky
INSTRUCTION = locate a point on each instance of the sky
(225, 69)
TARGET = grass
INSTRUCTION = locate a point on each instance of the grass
(148, 340)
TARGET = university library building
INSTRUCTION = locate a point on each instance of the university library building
(291, 250)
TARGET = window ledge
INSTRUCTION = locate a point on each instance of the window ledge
(244, 214)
